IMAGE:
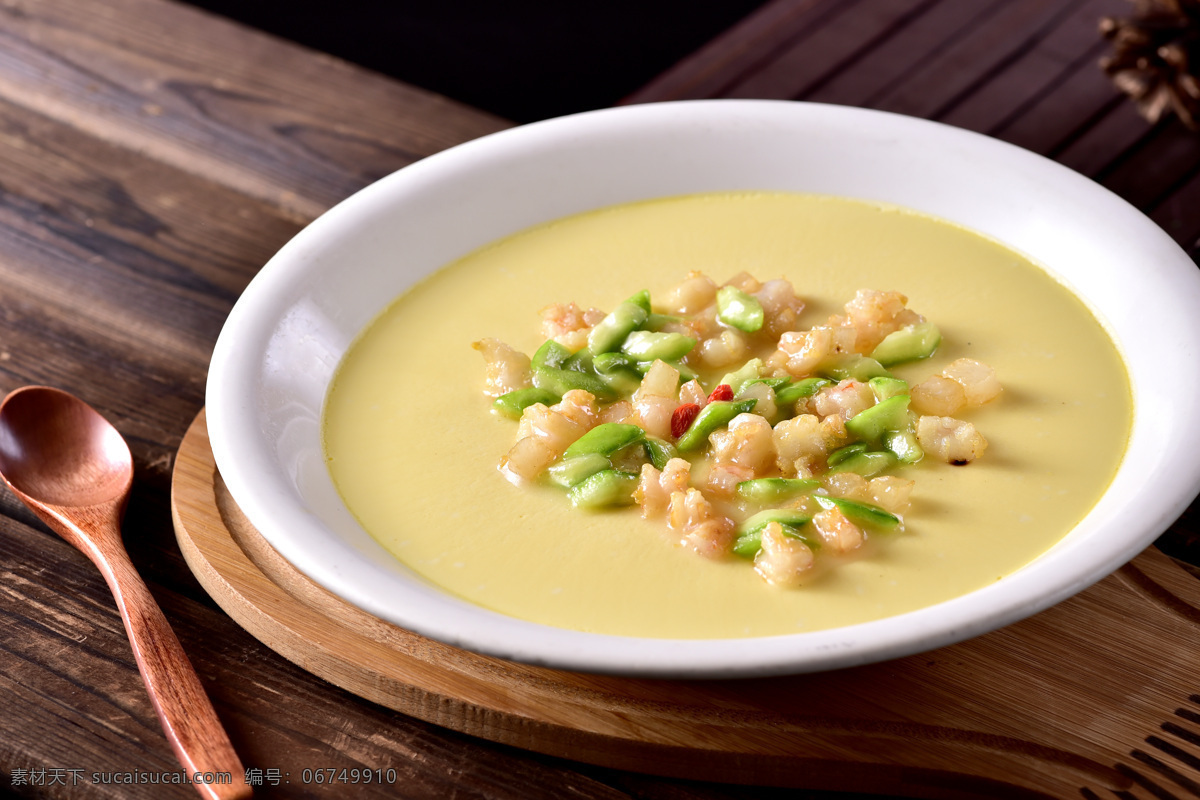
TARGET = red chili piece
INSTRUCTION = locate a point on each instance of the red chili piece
(722, 392)
(682, 419)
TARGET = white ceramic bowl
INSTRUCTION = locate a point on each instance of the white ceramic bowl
(283, 340)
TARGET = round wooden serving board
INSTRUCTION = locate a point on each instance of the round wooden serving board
(1096, 697)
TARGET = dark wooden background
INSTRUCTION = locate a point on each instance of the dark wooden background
(153, 157)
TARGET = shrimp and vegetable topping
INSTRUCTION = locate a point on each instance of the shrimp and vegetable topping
(742, 433)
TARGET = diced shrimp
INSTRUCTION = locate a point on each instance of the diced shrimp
(693, 392)
(656, 400)
(526, 460)
(781, 307)
(844, 399)
(890, 493)
(744, 281)
(950, 439)
(748, 442)
(839, 534)
(617, 412)
(507, 369)
(875, 314)
(938, 396)
(803, 441)
(688, 508)
(697, 291)
(568, 324)
(711, 539)
(723, 479)
(654, 489)
(978, 380)
(849, 485)
(705, 531)
(699, 326)
(727, 347)
(765, 395)
(538, 421)
(782, 560)
(803, 351)
(653, 414)
(579, 407)
(555, 428)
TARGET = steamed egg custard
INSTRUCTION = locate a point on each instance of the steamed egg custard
(414, 451)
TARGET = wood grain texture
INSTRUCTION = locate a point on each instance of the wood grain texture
(1059, 703)
(272, 120)
(153, 157)
(71, 468)
(1021, 70)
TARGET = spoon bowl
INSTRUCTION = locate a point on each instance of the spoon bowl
(58, 449)
(74, 470)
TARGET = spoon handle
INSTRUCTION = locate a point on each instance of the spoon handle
(183, 707)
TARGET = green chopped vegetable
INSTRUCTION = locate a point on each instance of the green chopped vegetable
(562, 381)
(711, 417)
(641, 300)
(739, 378)
(858, 512)
(651, 346)
(622, 381)
(842, 453)
(571, 471)
(514, 403)
(748, 544)
(788, 395)
(608, 487)
(871, 424)
(611, 331)
(656, 322)
(855, 366)
(738, 309)
(904, 446)
(605, 439)
(910, 343)
(784, 516)
(774, 490)
(550, 354)
(581, 361)
(749, 533)
(887, 387)
(658, 451)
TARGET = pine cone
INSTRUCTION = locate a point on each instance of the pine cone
(1156, 55)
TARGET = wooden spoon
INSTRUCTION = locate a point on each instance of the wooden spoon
(68, 464)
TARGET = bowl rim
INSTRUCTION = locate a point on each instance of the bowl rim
(257, 483)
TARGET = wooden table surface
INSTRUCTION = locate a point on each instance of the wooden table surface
(152, 158)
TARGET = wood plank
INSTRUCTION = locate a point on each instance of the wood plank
(1114, 132)
(953, 73)
(1161, 161)
(828, 49)
(278, 122)
(117, 275)
(73, 699)
(1063, 113)
(744, 48)
(1048, 58)
(1176, 213)
(879, 69)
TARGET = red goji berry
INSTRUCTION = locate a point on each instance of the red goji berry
(682, 419)
(722, 392)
